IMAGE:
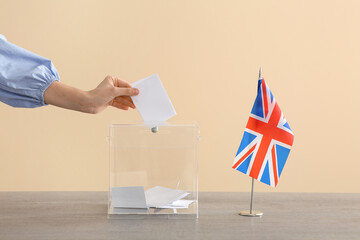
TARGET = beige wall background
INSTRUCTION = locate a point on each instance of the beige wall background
(207, 54)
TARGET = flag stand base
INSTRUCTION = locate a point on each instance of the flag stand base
(251, 212)
(254, 213)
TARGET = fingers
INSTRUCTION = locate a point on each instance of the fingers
(126, 91)
(121, 83)
(125, 101)
(127, 98)
(119, 105)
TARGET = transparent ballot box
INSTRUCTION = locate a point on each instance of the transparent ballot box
(153, 171)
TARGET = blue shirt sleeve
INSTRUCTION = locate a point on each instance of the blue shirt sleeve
(24, 76)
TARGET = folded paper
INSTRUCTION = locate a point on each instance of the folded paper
(178, 204)
(128, 197)
(158, 196)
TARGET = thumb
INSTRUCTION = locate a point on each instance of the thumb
(126, 91)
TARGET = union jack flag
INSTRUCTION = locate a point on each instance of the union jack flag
(267, 140)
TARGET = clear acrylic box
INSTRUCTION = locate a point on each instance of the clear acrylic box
(141, 158)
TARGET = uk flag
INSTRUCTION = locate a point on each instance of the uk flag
(267, 140)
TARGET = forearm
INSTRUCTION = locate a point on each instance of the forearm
(64, 96)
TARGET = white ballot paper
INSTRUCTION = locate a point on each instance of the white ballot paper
(153, 103)
(130, 210)
(128, 197)
(179, 204)
(158, 197)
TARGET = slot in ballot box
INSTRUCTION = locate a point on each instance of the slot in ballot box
(153, 173)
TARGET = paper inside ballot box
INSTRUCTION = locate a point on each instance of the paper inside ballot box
(128, 197)
(156, 197)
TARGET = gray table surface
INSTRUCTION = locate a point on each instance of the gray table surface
(82, 215)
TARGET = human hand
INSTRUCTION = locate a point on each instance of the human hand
(111, 91)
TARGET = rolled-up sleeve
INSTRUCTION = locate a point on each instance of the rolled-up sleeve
(24, 76)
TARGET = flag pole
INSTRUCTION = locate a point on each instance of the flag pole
(252, 195)
(251, 212)
(260, 73)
